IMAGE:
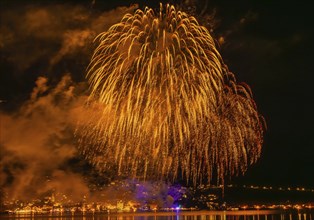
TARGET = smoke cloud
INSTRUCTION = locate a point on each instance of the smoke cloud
(37, 141)
(38, 144)
(47, 39)
(56, 27)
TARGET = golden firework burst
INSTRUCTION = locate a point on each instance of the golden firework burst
(163, 104)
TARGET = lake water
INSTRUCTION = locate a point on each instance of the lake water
(198, 215)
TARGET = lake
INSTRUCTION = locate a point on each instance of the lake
(194, 215)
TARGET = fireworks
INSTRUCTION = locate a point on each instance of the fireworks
(163, 105)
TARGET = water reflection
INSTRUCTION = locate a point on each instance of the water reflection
(175, 216)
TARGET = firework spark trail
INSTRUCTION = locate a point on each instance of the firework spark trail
(163, 104)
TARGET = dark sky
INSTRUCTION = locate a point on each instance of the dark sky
(273, 53)
(267, 44)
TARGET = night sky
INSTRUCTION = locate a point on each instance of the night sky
(268, 45)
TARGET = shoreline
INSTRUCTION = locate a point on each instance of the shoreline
(159, 213)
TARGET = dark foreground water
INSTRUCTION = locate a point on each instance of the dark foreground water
(196, 215)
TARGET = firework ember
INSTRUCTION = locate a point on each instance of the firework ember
(164, 105)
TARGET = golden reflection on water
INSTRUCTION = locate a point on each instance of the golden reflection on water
(179, 216)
